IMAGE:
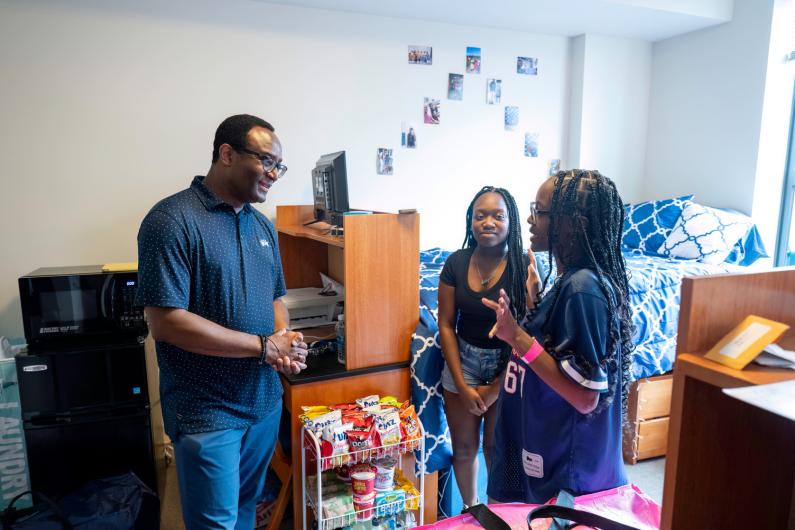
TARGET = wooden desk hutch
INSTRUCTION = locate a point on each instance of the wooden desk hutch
(377, 261)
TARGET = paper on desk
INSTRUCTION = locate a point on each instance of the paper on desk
(775, 356)
(330, 284)
(778, 351)
(778, 398)
(767, 359)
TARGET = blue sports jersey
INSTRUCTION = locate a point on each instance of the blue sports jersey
(542, 443)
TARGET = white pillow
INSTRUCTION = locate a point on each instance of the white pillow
(705, 234)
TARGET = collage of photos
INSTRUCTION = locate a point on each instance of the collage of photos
(473, 60)
(527, 65)
(420, 55)
(493, 91)
(455, 86)
(431, 111)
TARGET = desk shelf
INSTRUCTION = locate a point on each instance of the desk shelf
(313, 233)
(378, 262)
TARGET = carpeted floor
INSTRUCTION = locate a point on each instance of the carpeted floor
(649, 475)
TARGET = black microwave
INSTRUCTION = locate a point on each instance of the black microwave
(62, 305)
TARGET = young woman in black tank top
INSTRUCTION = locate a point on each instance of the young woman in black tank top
(492, 259)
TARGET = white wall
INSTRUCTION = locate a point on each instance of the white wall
(613, 92)
(106, 109)
(576, 97)
(705, 112)
(720, 106)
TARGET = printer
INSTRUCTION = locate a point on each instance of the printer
(309, 308)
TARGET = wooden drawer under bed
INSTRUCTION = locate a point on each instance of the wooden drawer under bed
(646, 434)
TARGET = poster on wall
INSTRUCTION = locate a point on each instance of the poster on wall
(554, 167)
(527, 65)
(455, 86)
(431, 111)
(511, 118)
(420, 54)
(493, 91)
(408, 136)
(473, 60)
(383, 164)
(531, 144)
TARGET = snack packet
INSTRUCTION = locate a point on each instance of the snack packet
(362, 443)
(410, 424)
(368, 401)
(318, 423)
(389, 401)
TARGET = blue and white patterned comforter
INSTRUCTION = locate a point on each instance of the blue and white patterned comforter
(654, 295)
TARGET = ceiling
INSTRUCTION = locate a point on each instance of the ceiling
(651, 20)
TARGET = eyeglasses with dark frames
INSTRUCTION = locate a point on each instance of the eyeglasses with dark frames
(535, 211)
(268, 162)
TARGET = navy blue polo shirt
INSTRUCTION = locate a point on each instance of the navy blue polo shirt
(542, 443)
(196, 253)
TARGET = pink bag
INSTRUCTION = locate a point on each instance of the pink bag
(625, 504)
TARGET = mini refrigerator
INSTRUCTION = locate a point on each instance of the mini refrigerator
(85, 413)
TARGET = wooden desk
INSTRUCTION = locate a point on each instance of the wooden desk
(729, 464)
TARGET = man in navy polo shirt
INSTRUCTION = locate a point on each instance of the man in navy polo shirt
(210, 278)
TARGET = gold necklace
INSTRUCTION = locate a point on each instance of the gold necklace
(485, 282)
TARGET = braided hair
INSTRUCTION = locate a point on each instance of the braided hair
(595, 211)
(517, 267)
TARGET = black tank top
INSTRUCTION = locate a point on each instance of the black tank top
(473, 319)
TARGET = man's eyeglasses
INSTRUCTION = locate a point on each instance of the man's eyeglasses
(535, 211)
(268, 162)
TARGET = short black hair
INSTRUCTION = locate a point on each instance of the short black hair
(234, 129)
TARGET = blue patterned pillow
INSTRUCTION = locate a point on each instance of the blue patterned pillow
(647, 224)
(705, 234)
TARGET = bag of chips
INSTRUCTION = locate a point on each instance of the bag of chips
(410, 424)
(362, 443)
(368, 401)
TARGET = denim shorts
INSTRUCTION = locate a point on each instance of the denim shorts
(479, 365)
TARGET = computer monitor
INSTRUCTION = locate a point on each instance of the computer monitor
(330, 188)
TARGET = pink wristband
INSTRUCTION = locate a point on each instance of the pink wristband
(534, 351)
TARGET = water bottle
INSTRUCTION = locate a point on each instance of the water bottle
(340, 329)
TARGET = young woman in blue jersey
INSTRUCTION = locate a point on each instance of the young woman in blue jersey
(564, 393)
(491, 260)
